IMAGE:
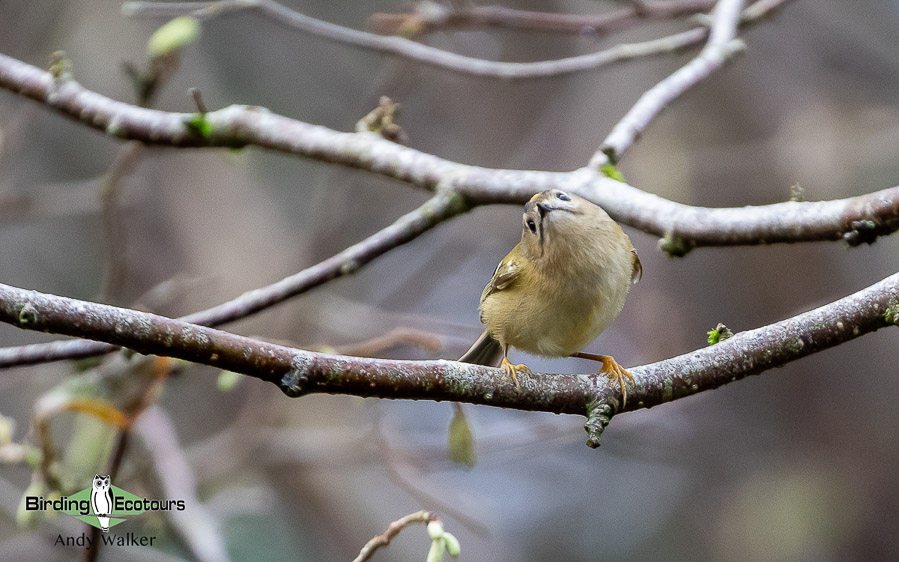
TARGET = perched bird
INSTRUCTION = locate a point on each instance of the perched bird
(558, 288)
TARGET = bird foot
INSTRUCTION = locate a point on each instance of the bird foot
(610, 367)
(617, 373)
(513, 370)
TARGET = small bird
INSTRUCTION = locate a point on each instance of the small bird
(558, 288)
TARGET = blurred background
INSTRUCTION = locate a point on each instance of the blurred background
(796, 464)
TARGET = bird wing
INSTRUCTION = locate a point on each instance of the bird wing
(637, 273)
(505, 274)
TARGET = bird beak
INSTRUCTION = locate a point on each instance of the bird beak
(543, 209)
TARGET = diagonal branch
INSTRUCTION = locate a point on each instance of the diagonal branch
(408, 49)
(722, 45)
(382, 540)
(297, 372)
(439, 208)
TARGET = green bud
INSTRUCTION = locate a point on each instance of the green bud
(435, 554)
(452, 545)
(199, 125)
(461, 443)
(719, 334)
(228, 380)
(173, 36)
(435, 529)
(610, 171)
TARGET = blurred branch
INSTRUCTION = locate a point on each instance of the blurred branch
(419, 517)
(51, 201)
(389, 459)
(397, 336)
(198, 527)
(722, 45)
(147, 85)
(428, 16)
(439, 208)
(114, 232)
(297, 372)
(406, 48)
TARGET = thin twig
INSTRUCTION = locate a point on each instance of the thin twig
(408, 227)
(147, 86)
(419, 517)
(388, 458)
(438, 17)
(397, 336)
(297, 372)
(114, 232)
(199, 528)
(406, 48)
(721, 46)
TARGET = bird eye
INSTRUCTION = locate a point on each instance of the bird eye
(563, 196)
(532, 226)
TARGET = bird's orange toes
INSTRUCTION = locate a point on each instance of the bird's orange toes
(513, 370)
(617, 373)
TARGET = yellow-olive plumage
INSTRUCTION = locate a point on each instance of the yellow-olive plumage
(558, 288)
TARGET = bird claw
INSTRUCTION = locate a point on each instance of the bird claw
(616, 373)
(513, 370)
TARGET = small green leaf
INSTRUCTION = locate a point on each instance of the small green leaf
(228, 380)
(719, 334)
(198, 124)
(172, 36)
(461, 443)
(610, 171)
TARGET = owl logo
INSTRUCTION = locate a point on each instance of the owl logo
(101, 500)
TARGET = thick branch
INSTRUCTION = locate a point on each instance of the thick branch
(439, 208)
(857, 219)
(299, 372)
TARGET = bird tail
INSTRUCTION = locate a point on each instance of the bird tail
(485, 351)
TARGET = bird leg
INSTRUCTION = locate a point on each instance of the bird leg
(512, 370)
(610, 367)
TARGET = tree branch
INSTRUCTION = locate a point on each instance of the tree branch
(722, 45)
(406, 48)
(422, 517)
(856, 219)
(437, 17)
(297, 372)
(439, 208)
